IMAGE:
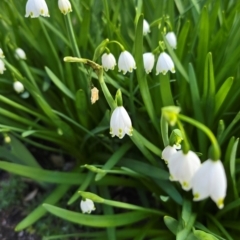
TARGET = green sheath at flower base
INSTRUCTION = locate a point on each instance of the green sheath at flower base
(118, 98)
(92, 196)
(176, 137)
(170, 113)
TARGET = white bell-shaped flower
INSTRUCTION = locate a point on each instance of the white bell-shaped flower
(182, 168)
(210, 181)
(64, 6)
(108, 61)
(164, 64)
(148, 61)
(168, 152)
(146, 27)
(2, 66)
(35, 8)
(172, 39)
(120, 123)
(20, 54)
(126, 62)
(18, 87)
(1, 53)
(87, 205)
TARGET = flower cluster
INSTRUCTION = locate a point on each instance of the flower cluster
(19, 55)
(164, 62)
(126, 62)
(205, 180)
(36, 8)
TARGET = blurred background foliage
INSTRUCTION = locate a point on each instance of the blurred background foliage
(55, 114)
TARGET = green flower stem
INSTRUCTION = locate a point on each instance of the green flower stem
(216, 153)
(185, 145)
(132, 207)
(105, 90)
(72, 36)
(164, 131)
(54, 52)
(119, 44)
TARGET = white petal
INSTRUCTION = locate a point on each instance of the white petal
(164, 64)
(148, 61)
(202, 181)
(35, 8)
(172, 40)
(87, 206)
(146, 27)
(126, 62)
(1, 53)
(182, 168)
(2, 67)
(18, 87)
(120, 123)
(64, 6)
(167, 153)
(20, 54)
(218, 183)
(108, 61)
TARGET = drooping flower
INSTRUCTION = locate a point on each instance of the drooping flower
(2, 66)
(35, 8)
(168, 152)
(210, 181)
(64, 6)
(164, 64)
(146, 27)
(108, 61)
(87, 205)
(172, 39)
(182, 168)
(126, 62)
(1, 53)
(20, 54)
(148, 61)
(120, 123)
(18, 87)
(94, 95)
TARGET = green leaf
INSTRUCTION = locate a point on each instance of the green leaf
(20, 151)
(101, 221)
(59, 84)
(222, 94)
(201, 235)
(171, 223)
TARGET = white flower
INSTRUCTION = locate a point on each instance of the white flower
(164, 64)
(35, 8)
(2, 66)
(146, 27)
(20, 54)
(87, 205)
(148, 61)
(18, 87)
(108, 61)
(1, 53)
(182, 168)
(172, 40)
(210, 181)
(126, 62)
(64, 6)
(120, 123)
(168, 152)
